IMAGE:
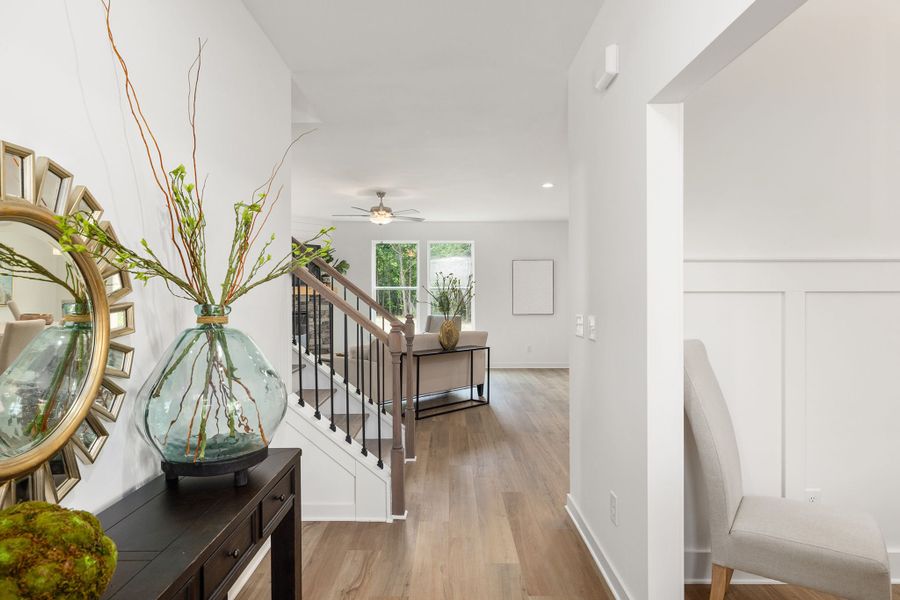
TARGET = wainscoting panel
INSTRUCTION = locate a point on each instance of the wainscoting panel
(853, 402)
(808, 356)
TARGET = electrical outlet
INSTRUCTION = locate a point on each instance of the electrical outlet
(813, 495)
(528, 349)
(613, 508)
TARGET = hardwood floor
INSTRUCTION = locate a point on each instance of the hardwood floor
(486, 517)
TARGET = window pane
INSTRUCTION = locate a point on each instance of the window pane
(398, 302)
(14, 171)
(396, 264)
(450, 258)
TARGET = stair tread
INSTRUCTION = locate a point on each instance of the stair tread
(309, 396)
(386, 445)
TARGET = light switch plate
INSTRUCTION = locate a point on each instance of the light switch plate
(592, 327)
(579, 325)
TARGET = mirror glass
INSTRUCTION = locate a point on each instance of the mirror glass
(52, 190)
(46, 336)
(14, 172)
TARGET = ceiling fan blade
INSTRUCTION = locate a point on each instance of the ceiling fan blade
(365, 210)
(402, 218)
(365, 216)
(406, 210)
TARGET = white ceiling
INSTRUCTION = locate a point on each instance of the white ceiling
(457, 107)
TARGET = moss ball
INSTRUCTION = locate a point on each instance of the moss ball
(51, 553)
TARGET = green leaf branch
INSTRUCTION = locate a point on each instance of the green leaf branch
(183, 198)
(18, 265)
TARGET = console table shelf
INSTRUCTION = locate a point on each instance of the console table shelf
(192, 540)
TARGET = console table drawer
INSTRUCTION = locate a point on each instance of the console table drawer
(227, 557)
(277, 498)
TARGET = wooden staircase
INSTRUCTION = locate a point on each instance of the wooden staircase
(334, 320)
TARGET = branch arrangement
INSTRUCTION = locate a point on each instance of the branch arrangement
(18, 265)
(450, 296)
(183, 197)
(212, 381)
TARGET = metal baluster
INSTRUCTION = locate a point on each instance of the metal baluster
(306, 329)
(331, 354)
(298, 327)
(358, 351)
(362, 383)
(319, 330)
(315, 337)
(380, 405)
(383, 382)
(349, 439)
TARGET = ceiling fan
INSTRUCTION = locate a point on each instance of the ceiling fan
(381, 214)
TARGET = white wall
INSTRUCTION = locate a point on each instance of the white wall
(791, 153)
(793, 149)
(515, 340)
(612, 406)
(61, 98)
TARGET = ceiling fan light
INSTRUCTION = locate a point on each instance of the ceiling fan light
(381, 217)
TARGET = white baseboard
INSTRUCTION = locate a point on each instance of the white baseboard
(606, 569)
(524, 365)
(334, 512)
(697, 565)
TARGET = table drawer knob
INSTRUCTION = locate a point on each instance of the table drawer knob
(282, 498)
(236, 552)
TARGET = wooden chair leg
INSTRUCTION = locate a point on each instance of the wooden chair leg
(721, 577)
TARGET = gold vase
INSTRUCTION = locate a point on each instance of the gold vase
(449, 335)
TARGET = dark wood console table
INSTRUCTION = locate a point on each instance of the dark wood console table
(191, 541)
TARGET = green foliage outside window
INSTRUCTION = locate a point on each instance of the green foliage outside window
(397, 276)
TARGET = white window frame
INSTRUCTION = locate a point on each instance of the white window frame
(428, 244)
(376, 287)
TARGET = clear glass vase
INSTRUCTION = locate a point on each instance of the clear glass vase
(44, 381)
(213, 401)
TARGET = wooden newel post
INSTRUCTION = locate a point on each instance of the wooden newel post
(398, 499)
(410, 392)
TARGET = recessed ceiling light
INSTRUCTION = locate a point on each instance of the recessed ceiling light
(547, 185)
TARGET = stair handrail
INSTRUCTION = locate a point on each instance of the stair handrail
(333, 297)
(355, 289)
(393, 340)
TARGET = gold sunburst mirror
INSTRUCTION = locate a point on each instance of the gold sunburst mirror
(58, 312)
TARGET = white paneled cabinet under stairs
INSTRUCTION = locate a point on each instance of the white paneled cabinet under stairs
(354, 445)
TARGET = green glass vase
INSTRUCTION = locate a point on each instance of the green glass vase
(213, 402)
(40, 386)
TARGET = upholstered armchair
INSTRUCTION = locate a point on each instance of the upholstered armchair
(14, 310)
(16, 336)
(836, 551)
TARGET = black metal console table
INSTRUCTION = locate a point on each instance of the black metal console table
(472, 402)
(192, 540)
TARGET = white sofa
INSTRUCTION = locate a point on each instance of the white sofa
(438, 374)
